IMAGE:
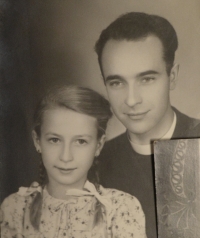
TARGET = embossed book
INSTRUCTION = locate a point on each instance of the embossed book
(177, 174)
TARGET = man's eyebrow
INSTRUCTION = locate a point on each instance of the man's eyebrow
(115, 76)
(146, 73)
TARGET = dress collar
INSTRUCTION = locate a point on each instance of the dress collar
(89, 190)
(73, 196)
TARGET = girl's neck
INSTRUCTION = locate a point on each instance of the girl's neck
(59, 191)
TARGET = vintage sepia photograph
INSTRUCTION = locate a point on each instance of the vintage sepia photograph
(86, 88)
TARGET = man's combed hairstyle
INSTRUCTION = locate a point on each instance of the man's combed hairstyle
(81, 100)
(136, 25)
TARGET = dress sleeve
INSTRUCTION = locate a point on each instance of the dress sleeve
(11, 217)
(129, 219)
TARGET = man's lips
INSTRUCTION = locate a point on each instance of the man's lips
(136, 115)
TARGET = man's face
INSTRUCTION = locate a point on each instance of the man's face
(138, 85)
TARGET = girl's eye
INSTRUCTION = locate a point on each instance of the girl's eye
(81, 142)
(54, 140)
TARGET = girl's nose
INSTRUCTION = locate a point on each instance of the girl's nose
(66, 153)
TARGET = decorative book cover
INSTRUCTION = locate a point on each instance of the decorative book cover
(177, 174)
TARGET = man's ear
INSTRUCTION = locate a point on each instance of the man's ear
(100, 145)
(36, 141)
(174, 76)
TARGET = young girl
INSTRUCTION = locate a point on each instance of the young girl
(69, 133)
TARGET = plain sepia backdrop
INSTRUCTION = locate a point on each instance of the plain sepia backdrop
(46, 42)
(64, 33)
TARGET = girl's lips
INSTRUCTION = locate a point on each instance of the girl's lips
(64, 170)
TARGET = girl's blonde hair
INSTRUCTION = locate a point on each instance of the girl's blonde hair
(82, 100)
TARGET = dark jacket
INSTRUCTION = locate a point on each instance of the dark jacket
(124, 169)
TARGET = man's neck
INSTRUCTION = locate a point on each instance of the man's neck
(148, 149)
(157, 132)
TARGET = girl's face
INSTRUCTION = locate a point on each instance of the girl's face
(68, 144)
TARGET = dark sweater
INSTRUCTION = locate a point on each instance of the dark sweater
(124, 169)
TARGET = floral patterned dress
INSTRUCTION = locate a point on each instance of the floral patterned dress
(74, 217)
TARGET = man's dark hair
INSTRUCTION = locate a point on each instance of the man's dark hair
(135, 25)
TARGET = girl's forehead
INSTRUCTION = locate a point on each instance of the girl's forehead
(55, 111)
(62, 119)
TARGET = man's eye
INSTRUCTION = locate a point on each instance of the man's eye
(114, 83)
(147, 79)
(54, 140)
(81, 142)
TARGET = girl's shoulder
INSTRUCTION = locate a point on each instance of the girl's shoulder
(118, 197)
(125, 215)
(13, 204)
(22, 196)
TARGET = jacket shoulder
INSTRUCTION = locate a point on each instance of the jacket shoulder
(117, 139)
(113, 147)
(187, 127)
(116, 142)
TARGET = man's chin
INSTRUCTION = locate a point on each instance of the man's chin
(138, 129)
(137, 132)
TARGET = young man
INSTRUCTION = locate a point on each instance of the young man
(136, 57)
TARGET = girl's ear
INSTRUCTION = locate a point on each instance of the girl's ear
(100, 145)
(36, 141)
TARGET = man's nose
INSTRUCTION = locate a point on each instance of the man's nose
(133, 95)
(66, 153)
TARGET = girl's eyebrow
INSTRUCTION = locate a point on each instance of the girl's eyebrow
(51, 134)
(84, 135)
(79, 135)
